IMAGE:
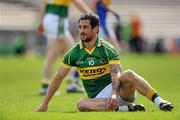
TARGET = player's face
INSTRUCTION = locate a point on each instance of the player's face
(85, 30)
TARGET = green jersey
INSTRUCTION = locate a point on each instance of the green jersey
(58, 7)
(93, 66)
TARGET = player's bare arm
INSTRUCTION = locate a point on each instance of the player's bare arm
(115, 73)
(60, 74)
(81, 6)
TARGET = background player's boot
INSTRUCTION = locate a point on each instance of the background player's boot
(75, 88)
(43, 89)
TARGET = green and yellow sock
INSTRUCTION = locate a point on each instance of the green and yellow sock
(152, 94)
(154, 97)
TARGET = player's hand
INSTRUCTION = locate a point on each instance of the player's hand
(113, 102)
(40, 28)
(42, 108)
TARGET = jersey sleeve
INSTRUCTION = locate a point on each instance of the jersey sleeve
(69, 60)
(112, 55)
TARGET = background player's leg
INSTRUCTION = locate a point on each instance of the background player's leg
(53, 51)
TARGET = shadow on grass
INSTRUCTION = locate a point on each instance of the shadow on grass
(59, 111)
(73, 111)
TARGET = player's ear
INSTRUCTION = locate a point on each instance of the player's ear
(96, 29)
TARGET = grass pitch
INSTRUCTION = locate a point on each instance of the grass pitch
(20, 82)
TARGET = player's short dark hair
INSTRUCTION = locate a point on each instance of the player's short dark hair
(94, 19)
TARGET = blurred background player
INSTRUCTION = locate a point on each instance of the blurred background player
(136, 41)
(101, 8)
(54, 24)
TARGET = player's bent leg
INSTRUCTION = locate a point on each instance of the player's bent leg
(127, 97)
(127, 90)
(145, 89)
(139, 83)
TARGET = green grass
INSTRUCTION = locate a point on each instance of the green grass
(20, 81)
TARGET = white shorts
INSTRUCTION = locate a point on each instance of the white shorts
(55, 26)
(107, 92)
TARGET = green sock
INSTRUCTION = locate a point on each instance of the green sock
(44, 85)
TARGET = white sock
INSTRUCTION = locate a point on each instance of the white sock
(123, 108)
(158, 100)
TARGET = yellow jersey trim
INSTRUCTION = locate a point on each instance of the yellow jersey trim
(114, 62)
(65, 65)
(90, 51)
(59, 2)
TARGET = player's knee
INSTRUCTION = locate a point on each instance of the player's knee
(128, 85)
(127, 75)
(81, 105)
